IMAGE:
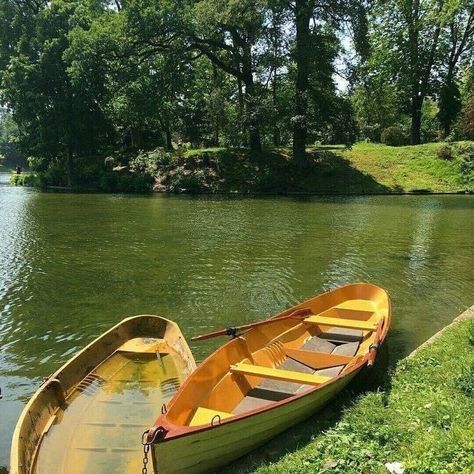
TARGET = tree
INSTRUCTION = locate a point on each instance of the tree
(57, 122)
(458, 43)
(406, 37)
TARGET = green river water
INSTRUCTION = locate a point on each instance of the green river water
(72, 265)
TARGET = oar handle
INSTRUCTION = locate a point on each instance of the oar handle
(210, 335)
(233, 331)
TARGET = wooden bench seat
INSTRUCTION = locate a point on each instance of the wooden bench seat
(342, 323)
(204, 416)
(278, 374)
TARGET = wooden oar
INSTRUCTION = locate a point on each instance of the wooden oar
(375, 345)
(233, 331)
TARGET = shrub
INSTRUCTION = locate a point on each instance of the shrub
(445, 152)
(125, 182)
(191, 183)
(152, 161)
(393, 136)
(25, 179)
(466, 120)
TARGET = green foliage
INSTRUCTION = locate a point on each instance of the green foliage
(88, 80)
(430, 121)
(449, 105)
(393, 136)
(25, 179)
(151, 162)
(124, 182)
(445, 152)
(466, 120)
(466, 151)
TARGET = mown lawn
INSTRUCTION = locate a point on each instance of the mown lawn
(423, 419)
(409, 168)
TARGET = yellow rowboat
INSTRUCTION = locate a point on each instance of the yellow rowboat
(269, 378)
(89, 415)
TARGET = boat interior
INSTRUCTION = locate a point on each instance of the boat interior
(88, 415)
(99, 426)
(281, 359)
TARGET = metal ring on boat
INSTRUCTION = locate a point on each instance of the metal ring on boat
(218, 420)
(163, 409)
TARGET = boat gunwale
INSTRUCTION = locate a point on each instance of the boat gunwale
(173, 431)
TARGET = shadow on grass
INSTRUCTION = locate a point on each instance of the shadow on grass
(299, 436)
(235, 170)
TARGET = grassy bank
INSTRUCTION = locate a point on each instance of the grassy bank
(366, 169)
(423, 419)
(412, 168)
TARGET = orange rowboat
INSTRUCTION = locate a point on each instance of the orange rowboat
(88, 416)
(269, 378)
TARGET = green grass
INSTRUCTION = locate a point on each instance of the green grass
(408, 168)
(366, 169)
(423, 418)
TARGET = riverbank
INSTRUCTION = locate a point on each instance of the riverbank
(422, 419)
(365, 169)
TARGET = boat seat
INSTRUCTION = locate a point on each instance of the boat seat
(204, 416)
(342, 335)
(278, 374)
(342, 323)
(282, 387)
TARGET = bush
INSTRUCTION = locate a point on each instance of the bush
(466, 120)
(393, 136)
(445, 152)
(24, 179)
(190, 182)
(466, 153)
(152, 161)
(125, 182)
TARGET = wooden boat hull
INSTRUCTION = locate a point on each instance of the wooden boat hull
(207, 450)
(205, 426)
(80, 411)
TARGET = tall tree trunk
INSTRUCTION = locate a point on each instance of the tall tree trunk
(303, 12)
(251, 114)
(168, 138)
(276, 129)
(275, 34)
(240, 91)
(216, 118)
(415, 132)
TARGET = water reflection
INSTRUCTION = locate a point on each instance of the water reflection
(73, 265)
